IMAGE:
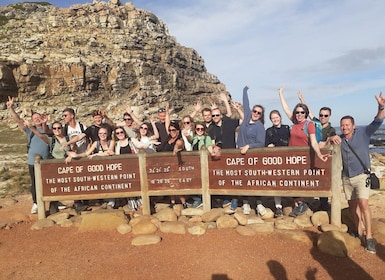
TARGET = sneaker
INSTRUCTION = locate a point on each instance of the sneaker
(111, 203)
(370, 246)
(61, 206)
(226, 203)
(299, 209)
(197, 203)
(234, 204)
(34, 209)
(246, 209)
(261, 210)
(185, 206)
(172, 204)
(278, 212)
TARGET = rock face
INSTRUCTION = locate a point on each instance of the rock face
(100, 55)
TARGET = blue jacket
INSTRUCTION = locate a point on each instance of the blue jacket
(252, 134)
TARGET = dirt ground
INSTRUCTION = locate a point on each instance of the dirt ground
(66, 253)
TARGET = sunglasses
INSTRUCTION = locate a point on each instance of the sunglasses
(257, 112)
(216, 115)
(172, 130)
(119, 132)
(128, 119)
(142, 127)
(200, 129)
(56, 128)
(64, 115)
(323, 116)
(161, 110)
(186, 122)
(300, 112)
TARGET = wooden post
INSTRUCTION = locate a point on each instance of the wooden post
(336, 186)
(39, 189)
(206, 198)
(143, 184)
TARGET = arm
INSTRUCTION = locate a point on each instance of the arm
(37, 132)
(107, 119)
(133, 116)
(238, 107)
(73, 140)
(223, 98)
(154, 128)
(14, 115)
(167, 121)
(285, 107)
(300, 97)
(381, 104)
(197, 108)
(246, 103)
(316, 148)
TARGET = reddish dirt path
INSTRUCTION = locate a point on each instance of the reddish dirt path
(66, 253)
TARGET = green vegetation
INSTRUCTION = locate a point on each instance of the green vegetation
(3, 20)
(19, 6)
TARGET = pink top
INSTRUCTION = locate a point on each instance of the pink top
(298, 136)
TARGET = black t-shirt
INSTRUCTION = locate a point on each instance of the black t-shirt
(278, 136)
(228, 129)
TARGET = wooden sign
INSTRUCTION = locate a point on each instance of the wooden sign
(270, 169)
(97, 176)
(170, 172)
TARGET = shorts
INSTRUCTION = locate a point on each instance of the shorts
(355, 187)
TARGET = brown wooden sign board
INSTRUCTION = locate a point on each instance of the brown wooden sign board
(167, 172)
(270, 169)
(96, 176)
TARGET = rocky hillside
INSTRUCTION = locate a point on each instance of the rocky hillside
(99, 55)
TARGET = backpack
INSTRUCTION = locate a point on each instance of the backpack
(318, 130)
(50, 156)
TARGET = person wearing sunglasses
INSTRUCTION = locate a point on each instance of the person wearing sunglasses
(251, 135)
(187, 131)
(124, 145)
(147, 138)
(56, 142)
(161, 126)
(298, 137)
(327, 132)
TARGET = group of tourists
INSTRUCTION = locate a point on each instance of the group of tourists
(69, 139)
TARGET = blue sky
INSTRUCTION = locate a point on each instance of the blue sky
(333, 51)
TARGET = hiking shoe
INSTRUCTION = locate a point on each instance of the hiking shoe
(234, 204)
(246, 209)
(261, 210)
(299, 209)
(370, 246)
(34, 209)
(278, 212)
(226, 203)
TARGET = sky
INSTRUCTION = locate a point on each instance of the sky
(333, 51)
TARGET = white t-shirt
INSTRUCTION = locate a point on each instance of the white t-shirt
(81, 146)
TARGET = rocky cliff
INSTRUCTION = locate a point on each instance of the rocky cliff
(98, 55)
